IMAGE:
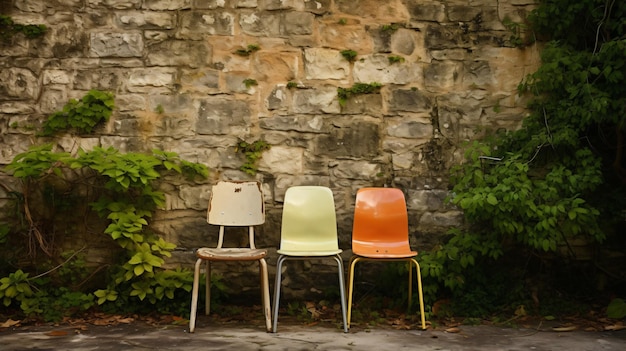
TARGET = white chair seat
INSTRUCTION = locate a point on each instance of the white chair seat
(231, 254)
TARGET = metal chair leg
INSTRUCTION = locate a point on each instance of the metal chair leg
(342, 291)
(279, 264)
(265, 292)
(194, 296)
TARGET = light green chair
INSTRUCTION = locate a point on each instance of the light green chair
(308, 231)
(232, 204)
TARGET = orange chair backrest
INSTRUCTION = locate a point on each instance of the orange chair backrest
(381, 225)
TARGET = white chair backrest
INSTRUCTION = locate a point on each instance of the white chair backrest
(236, 204)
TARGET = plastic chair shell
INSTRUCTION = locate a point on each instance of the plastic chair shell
(380, 233)
(309, 231)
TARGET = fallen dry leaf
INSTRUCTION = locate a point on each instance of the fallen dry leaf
(564, 329)
(615, 327)
(453, 330)
(9, 323)
(57, 333)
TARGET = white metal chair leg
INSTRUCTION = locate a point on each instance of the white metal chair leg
(194, 296)
(265, 292)
(207, 284)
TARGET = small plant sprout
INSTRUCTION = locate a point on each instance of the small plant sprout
(249, 82)
(395, 59)
(349, 55)
(248, 50)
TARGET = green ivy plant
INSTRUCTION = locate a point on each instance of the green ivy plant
(527, 194)
(81, 115)
(349, 55)
(127, 204)
(395, 59)
(249, 82)
(120, 188)
(8, 29)
(344, 94)
(253, 153)
(248, 50)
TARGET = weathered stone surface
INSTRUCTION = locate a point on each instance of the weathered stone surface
(116, 44)
(179, 53)
(322, 63)
(351, 139)
(179, 87)
(409, 100)
(18, 83)
(261, 24)
(377, 68)
(320, 100)
(197, 25)
(218, 116)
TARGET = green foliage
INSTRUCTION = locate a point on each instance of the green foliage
(8, 29)
(4, 232)
(291, 85)
(616, 309)
(527, 194)
(395, 59)
(358, 88)
(253, 153)
(15, 287)
(516, 30)
(349, 55)
(342, 21)
(248, 50)
(82, 115)
(390, 28)
(249, 82)
(120, 188)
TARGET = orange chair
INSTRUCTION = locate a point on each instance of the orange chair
(232, 204)
(381, 233)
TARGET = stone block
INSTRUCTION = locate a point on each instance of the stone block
(322, 100)
(318, 7)
(431, 11)
(297, 23)
(18, 83)
(146, 19)
(320, 63)
(179, 53)
(200, 81)
(219, 116)
(153, 80)
(298, 123)
(278, 99)
(116, 44)
(282, 160)
(382, 11)
(214, 4)
(409, 100)
(410, 129)
(115, 4)
(377, 68)
(352, 139)
(443, 76)
(366, 104)
(356, 170)
(196, 25)
(260, 24)
(345, 36)
(167, 5)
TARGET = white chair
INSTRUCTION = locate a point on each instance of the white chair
(232, 204)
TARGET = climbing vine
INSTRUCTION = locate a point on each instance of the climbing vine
(63, 194)
(528, 194)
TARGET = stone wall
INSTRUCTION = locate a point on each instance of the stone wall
(179, 86)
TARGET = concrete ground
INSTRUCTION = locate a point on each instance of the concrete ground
(141, 336)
